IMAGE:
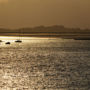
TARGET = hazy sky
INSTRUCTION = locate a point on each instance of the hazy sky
(28, 13)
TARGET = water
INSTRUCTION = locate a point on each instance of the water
(44, 64)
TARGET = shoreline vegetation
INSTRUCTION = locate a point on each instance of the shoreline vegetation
(50, 31)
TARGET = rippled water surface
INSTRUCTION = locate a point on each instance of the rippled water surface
(44, 64)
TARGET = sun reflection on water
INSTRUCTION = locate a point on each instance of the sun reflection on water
(48, 66)
(27, 41)
(12, 39)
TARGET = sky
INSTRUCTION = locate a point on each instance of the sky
(30, 13)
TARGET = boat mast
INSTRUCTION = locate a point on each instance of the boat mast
(19, 34)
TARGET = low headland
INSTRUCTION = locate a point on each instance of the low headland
(49, 31)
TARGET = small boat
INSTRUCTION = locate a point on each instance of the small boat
(1, 41)
(7, 43)
(18, 41)
(82, 39)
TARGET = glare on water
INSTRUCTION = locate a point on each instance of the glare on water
(26, 40)
(44, 64)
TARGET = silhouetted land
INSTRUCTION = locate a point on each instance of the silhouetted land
(50, 31)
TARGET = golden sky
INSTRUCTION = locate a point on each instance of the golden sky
(28, 13)
(3, 1)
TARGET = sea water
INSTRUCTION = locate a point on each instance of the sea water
(44, 64)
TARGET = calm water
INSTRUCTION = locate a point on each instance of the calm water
(44, 64)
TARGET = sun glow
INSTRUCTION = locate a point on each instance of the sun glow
(7, 38)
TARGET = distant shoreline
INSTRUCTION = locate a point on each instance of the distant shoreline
(57, 31)
(76, 36)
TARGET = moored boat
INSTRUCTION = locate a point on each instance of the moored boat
(18, 41)
(7, 43)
